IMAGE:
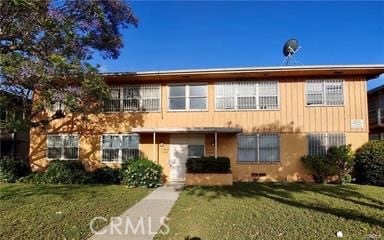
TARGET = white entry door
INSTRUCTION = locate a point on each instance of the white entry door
(181, 147)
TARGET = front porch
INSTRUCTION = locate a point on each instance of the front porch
(171, 147)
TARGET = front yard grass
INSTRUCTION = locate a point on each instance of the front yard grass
(60, 211)
(278, 211)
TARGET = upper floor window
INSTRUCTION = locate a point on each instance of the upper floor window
(119, 147)
(63, 147)
(192, 97)
(259, 148)
(324, 92)
(132, 98)
(247, 95)
(318, 144)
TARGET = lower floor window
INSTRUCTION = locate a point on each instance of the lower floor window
(119, 148)
(318, 144)
(63, 147)
(262, 148)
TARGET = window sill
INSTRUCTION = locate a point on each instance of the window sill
(246, 110)
(317, 105)
(258, 163)
(172, 111)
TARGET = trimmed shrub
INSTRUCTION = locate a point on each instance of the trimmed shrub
(208, 165)
(369, 167)
(342, 158)
(319, 166)
(141, 172)
(105, 175)
(64, 172)
(12, 170)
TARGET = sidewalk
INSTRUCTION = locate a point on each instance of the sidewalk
(143, 220)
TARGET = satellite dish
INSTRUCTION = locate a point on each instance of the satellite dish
(291, 47)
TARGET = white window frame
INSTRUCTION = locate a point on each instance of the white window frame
(121, 99)
(120, 153)
(188, 97)
(324, 82)
(62, 135)
(236, 94)
(327, 145)
(257, 158)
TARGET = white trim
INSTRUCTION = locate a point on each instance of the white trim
(61, 135)
(254, 69)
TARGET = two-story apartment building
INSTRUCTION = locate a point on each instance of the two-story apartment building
(376, 113)
(14, 143)
(264, 119)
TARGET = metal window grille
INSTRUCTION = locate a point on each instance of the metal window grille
(247, 95)
(225, 93)
(64, 147)
(129, 147)
(318, 144)
(334, 92)
(118, 148)
(132, 98)
(268, 95)
(113, 103)
(247, 148)
(269, 148)
(324, 92)
(259, 148)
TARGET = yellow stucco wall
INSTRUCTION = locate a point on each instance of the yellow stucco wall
(293, 121)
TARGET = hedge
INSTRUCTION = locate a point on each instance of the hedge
(208, 165)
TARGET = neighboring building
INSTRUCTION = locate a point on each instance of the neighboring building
(376, 113)
(13, 143)
(264, 119)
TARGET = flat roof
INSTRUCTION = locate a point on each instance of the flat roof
(376, 89)
(368, 70)
(188, 130)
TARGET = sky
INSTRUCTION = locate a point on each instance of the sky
(218, 34)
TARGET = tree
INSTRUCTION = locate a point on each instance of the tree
(46, 45)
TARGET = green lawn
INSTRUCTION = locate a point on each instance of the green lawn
(278, 211)
(33, 211)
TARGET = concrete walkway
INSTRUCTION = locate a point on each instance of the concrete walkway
(144, 219)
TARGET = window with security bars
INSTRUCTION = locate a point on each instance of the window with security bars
(318, 144)
(189, 97)
(258, 148)
(247, 95)
(133, 98)
(324, 92)
(63, 147)
(119, 148)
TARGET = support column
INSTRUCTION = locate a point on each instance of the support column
(215, 144)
